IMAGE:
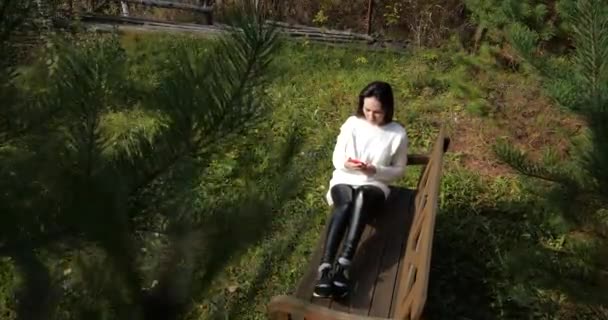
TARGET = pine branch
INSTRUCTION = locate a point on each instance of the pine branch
(519, 161)
(525, 41)
(130, 134)
(230, 112)
(590, 27)
(210, 98)
(213, 96)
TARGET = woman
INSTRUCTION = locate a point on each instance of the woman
(370, 153)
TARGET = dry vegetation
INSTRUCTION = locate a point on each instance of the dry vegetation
(423, 23)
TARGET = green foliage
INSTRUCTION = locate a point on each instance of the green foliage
(589, 28)
(199, 112)
(577, 193)
(320, 18)
(393, 13)
(548, 169)
(84, 150)
(483, 224)
(8, 283)
(126, 134)
(213, 228)
(499, 247)
(455, 75)
(578, 82)
(497, 17)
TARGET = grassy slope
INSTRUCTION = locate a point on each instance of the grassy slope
(319, 104)
(498, 250)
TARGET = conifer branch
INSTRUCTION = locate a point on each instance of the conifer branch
(519, 161)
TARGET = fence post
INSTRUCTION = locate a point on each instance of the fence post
(370, 10)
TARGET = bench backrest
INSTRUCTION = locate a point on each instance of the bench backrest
(413, 283)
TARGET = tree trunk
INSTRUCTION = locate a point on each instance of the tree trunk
(370, 10)
(125, 8)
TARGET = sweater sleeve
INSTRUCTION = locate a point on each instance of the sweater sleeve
(345, 135)
(396, 170)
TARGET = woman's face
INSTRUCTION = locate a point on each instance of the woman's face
(372, 109)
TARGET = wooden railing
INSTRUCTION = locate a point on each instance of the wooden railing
(204, 7)
(412, 291)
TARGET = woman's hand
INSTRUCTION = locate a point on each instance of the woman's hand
(352, 165)
(366, 168)
(369, 169)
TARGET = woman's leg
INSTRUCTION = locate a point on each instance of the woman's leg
(342, 196)
(368, 200)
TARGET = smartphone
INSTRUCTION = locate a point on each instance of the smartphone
(356, 161)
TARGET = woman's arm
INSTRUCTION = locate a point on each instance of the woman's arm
(339, 156)
(397, 168)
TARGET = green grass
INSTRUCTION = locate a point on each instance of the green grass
(314, 88)
(490, 256)
(318, 103)
(500, 250)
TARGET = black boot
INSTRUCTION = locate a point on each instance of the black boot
(323, 288)
(341, 278)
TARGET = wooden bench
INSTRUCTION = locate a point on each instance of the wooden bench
(390, 271)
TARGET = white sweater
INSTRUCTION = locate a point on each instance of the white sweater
(383, 146)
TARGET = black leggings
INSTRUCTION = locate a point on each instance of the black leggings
(352, 207)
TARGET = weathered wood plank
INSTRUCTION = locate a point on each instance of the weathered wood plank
(323, 33)
(330, 39)
(387, 278)
(398, 275)
(171, 5)
(307, 34)
(291, 305)
(386, 226)
(310, 28)
(344, 304)
(366, 264)
(151, 22)
(414, 271)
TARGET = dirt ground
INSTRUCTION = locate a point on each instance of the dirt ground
(524, 116)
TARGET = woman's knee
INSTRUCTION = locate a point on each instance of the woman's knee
(342, 194)
(370, 192)
(370, 196)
